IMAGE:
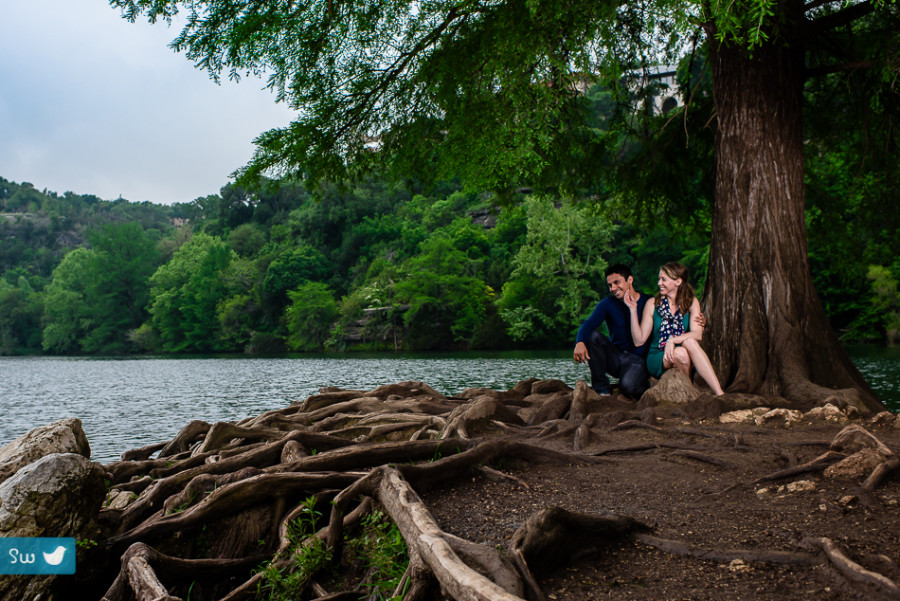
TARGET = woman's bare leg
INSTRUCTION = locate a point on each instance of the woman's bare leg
(703, 365)
(682, 362)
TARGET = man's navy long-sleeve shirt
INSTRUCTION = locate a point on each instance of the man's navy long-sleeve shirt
(618, 321)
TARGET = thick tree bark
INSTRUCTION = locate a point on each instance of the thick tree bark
(768, 333)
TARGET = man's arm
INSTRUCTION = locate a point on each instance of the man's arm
(597, 317)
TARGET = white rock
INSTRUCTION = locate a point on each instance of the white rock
(827, 412)
(119, 499)
(739, 565)
(788, 416)
(743, 416)
(801, 486)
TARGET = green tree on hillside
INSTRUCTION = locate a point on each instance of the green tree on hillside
(310, 316)
(98, 295)
(20, 317)
(185, 293)
(557, 271)
(67, 312)
(124, 259)
(444, 301)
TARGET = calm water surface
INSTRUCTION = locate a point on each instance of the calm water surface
(129, 403)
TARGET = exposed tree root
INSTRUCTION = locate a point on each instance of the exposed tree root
(749, 555)
(233, 498)
(188, 435)
(816, 465)
(704, 458)
(437, 549)
(282, 561)
(853, 571)
(140, 563)
(882, 471)
(222, 433)
(227, 490)
(550, 537)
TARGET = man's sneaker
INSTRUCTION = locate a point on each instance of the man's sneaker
(603, 390)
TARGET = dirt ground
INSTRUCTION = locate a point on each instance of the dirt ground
(714, 507)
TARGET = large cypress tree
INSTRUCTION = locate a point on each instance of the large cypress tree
(490, 90)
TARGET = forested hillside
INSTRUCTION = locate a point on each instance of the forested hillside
(364, 266)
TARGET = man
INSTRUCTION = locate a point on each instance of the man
(616, 355)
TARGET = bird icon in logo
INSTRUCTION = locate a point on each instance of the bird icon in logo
(55, 558)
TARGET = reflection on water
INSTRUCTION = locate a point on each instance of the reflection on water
(881, 367)
(129, 403)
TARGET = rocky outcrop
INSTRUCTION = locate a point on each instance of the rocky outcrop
(63, 436)
(58, 495)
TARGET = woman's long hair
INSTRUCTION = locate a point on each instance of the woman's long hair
(685, 295)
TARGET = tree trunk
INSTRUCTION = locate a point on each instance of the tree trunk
(768, 332)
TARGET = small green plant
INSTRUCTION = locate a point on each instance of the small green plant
(278, 585)
(437, 454)
(201, 544)
(308, 556)
(86, 543)
(305, 524)
(186, 504)
(382, 548)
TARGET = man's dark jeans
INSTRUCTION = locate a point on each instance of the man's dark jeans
(605, 359)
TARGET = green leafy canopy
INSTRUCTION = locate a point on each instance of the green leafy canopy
(487, 90)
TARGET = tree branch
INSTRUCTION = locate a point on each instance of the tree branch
(839, 68)
(839, 18)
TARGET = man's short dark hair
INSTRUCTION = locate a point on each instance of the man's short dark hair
(619, 268)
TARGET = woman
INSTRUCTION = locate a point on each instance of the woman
(672, 319)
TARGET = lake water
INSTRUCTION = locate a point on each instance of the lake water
(132, 402)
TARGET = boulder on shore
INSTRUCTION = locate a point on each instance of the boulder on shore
(63, 436)
(56, 496)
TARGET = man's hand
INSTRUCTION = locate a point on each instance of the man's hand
(701, 320)
(581, 353)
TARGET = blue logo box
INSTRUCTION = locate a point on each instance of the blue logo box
(37, 555)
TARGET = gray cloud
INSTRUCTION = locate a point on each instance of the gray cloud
(96, 105)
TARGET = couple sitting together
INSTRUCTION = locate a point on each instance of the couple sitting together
(647, 335)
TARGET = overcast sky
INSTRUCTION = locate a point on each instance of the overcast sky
(93, 104)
